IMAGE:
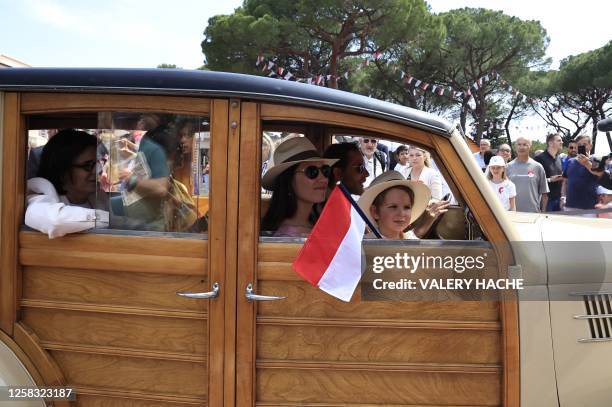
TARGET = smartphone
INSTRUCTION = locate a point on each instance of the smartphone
(582, 149)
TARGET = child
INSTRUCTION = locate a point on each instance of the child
(402, 166)
(393, 203)
(503, 187)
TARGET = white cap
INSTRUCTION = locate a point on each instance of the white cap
(496, 160)
(603, 191)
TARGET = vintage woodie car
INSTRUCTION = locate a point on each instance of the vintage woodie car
(99, 311)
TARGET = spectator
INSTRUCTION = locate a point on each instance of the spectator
(503, 187)
(402, 166)
(605, 202)
(529, 178)
(374, 160)
(485, 145)
(349, 169)
(553, 167)
(505, 152)
(421, 171)
(537, 153)
(572, 152)
(579, 189)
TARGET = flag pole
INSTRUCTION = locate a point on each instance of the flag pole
(348, 196)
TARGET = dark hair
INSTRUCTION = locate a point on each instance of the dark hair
(400, 149)
(551, 136)
(59, 153)
(166, 137)
(341, 151)
(381, 197)
(284, 203)
(487, 156)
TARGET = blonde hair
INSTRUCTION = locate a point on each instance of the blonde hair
(425, 154)
(490, 174)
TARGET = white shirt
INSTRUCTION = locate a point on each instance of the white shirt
(480, 160)
(402, 169)
(432, 179)
(504, 191)
(47, 211)
(374, 168)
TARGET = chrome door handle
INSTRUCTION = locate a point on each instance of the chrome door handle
(210, 294)
(256, 297)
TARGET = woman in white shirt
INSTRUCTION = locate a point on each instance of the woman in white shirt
(421, 171)
(503, 187)
(63, 199)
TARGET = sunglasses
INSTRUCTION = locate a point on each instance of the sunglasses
(312, 172)
(360, 168)
(370, 140)
(504, 150)
(86, 166)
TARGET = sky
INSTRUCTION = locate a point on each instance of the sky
(146, 33)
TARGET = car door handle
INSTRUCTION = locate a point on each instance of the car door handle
(256, 297)
(210, 294)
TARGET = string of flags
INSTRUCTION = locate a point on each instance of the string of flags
(275, 71)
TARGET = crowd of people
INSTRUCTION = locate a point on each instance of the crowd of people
(550, 181)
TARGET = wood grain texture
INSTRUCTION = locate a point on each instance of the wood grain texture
(102, 287)
(23, 358)
(144, 245)
(388, 129)
(124, 331)
(304, 300)
(13, 151)
(295, 343)
(133, 374)
(219, 145)
(66, 102)
(30, 343)
(85, 398)
(323, 386)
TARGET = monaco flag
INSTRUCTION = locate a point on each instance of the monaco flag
(331, 257)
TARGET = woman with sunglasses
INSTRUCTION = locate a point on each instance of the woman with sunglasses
(63, 197)
(298, 182)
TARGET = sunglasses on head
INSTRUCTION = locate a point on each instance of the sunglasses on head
(312, 171)
(370, 140)
(86, 166)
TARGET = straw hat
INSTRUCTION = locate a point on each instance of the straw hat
(289, 153)
(390, 179)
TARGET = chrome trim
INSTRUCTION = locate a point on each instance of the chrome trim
(210, 294)
(589, 340)
(582, 294)
(592, 316)
(250, 296)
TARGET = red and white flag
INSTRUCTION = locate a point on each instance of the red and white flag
(331, 256)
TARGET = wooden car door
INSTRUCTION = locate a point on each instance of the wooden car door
(99, 311)
(301, 346)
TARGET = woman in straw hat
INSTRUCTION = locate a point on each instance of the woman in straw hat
(298, 182)
(393, 203)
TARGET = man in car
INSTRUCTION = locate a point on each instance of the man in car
(529, 178)
(350, 168)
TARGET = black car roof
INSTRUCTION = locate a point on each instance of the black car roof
(212, 84)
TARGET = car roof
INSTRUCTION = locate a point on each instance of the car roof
(182, 82)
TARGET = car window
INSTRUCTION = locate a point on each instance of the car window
(147, 171)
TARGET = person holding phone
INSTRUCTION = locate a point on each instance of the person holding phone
(579, 190)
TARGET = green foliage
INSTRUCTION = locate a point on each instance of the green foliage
(308, 36)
